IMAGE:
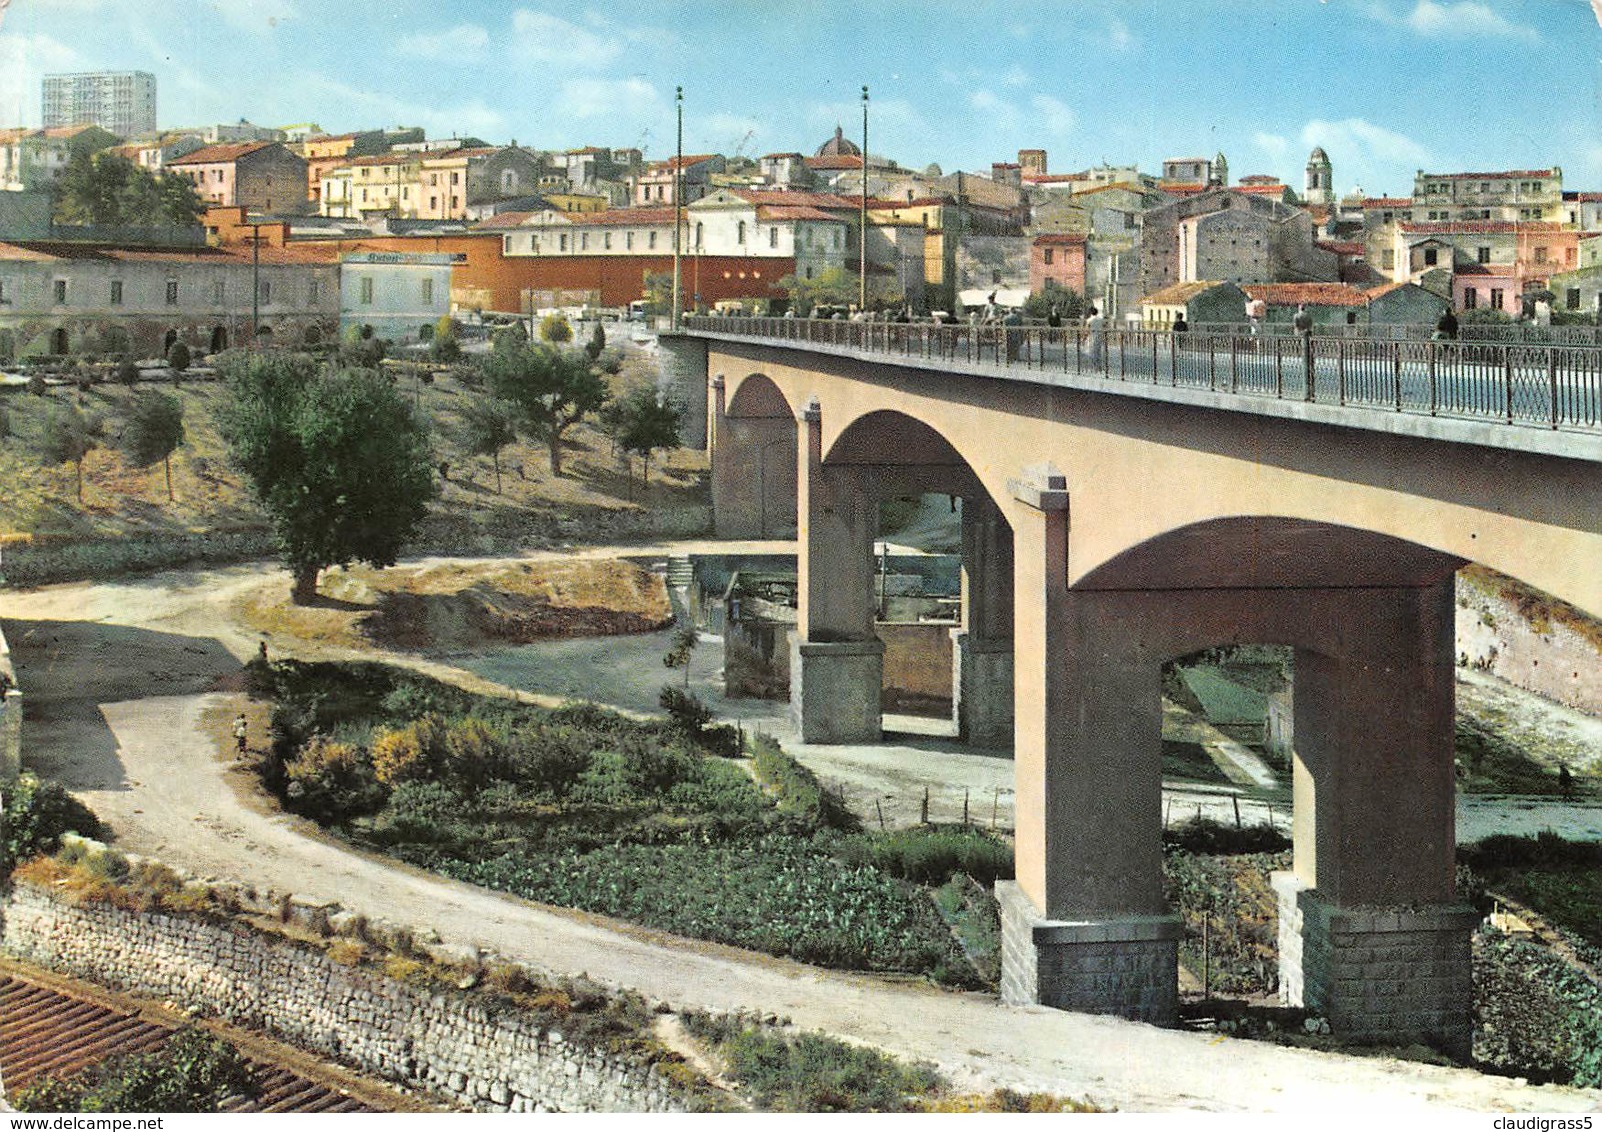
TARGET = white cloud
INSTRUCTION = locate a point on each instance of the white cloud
(1054, 116)
(1119, 37)
(1275, 146)
(24, 61)
(1454, 19)
(259, 17)
(462, 41)
(1361, 139)
(551, 41)
(628, 99)
(1016, 76)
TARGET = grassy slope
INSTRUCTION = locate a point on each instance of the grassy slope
(594, 497)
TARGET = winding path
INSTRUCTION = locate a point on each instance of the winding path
(128, 687)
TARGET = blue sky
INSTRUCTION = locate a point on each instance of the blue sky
(1385, 86)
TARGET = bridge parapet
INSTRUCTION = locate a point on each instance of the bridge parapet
(1526, 396)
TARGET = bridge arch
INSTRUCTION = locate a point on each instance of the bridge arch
(1370, 617)
(885, 454)
(753, 442)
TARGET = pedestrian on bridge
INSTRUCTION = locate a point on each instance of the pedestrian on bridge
(1446, 328)
(1097, 325)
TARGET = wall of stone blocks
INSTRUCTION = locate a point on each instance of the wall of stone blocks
(460, 1046)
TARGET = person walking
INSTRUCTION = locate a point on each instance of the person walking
(1302, 323)
(1097, 345)
(241, 733)
(1446, 328)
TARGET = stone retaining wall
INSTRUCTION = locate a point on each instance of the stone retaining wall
(459, 1045)
(1553, 659)
(10, 715)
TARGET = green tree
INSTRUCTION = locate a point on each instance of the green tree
(554, 328)
(1070, 303)
(104, 188)
(834, 286)
(65, 438)
(490, 425)
(552, 389)
(336, 458)
(646, 421)
(657, 290)
(154, 430)
(596, 344)
(178, 358)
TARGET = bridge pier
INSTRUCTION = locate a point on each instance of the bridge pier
(982, 646)
(1371, 936)
(836, 659)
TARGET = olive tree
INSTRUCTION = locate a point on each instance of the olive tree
(553, 390)
(153, 431)
(337, 459)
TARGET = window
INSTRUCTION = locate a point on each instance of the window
(367, 290)
(266, 291)
(1569, 255)
(773, 237)
(1388, 259)
(172, 292)
(561, 242)
(1571, 298)
(428, 292)
(995, 277)
(1496, 299)
(433, 203)
(1540, 253)
(1431, 255)
(628, 241)
(116, 292)
(61, 291)
(584, 241)
(456, 178)
(216, 292)
(650, 240)
(1048, 257)
(1483, 254)
(3, 299)
(1471, 298)
(314, 292)
(739, 232)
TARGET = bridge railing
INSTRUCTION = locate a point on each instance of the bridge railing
(1515, 383)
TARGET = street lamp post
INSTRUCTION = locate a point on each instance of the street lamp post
(678, 213)
(862, 224)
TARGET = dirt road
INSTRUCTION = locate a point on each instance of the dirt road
(122, 679)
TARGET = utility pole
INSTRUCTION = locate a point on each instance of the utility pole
(255, 284)
(678, 212)
(862, 227)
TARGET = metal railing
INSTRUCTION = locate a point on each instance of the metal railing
(1556, 387)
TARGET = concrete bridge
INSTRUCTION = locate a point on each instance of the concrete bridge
(1114, 522)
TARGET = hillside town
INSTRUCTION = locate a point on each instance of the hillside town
(506, 628)
(306, 231)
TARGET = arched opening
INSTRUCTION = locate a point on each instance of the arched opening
(168, 341)
(219, 339)
(754, 463)
(313, 335)
(1369, 618)
(59, 344)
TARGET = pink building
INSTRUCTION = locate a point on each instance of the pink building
(261, 176)
(1057, 258)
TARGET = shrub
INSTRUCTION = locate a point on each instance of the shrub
(331, 781)
(127, 371)
(475, 752)
(932, 856)
(400, 756)
(193, 1072)
(178, 358)
(554, 328)
(36, 384)
(37, 813)
(797, 789)
(1204, 836)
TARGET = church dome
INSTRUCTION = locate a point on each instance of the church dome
(1318, 156)
(838, 146)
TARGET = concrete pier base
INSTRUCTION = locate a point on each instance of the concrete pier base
(834, 690)
(982, 689)
(1124, 965)
(1383, 975)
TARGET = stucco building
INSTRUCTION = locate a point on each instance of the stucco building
(121, 102)
(264, 177)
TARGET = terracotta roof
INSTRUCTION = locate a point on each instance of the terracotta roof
(1387, 202)
(686, 162)
(221, 154)
(1384, 289)
(1501, 270)
(844, 161)
(1127, 186)
(1058, 239)
(1182, 188)
(1343, 247)
(797, 212)
(66, 131)
(778, 156)
(1261, 179)
(505, 219)
(1260, 189)
(801, 200)
(43, 251)
(384, 159)
(1052, 178)
(1312, 294)
(1481, 227)
(916, 202)
(1180, 293)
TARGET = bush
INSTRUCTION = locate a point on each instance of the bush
(178, 358)
(1207, 837)
(37, 813)
(797, 789)
(932, 856)
(193, 1072)
(127, 371)
(331, 781)
(404, 755)
(554, 328)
